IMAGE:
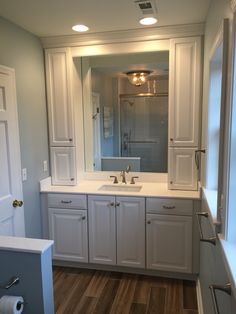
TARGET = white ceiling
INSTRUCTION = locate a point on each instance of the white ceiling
(56, 17)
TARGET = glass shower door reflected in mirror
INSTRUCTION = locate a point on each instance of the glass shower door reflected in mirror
(144, 130)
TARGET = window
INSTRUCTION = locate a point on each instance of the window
(230, 230)
(214, 105)
(217, 104)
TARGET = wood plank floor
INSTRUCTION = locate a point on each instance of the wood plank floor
(100, 292)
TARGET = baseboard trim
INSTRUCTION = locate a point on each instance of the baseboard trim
(124, 269)
(199, 297)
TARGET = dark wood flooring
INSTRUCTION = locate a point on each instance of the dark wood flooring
(100, 292)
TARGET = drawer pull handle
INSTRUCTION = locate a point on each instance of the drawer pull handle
(226, 288)
(168, 207)
(66, 202)
(211, 240)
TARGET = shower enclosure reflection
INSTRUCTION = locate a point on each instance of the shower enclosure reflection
(125, 125)
(144, 121)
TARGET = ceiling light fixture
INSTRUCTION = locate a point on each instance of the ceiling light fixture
(139, 77)
(80, 28)
(148, 20)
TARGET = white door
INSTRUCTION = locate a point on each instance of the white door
(96, 132)
(169, 243)
(130, 213)
(68, 229)
(102, 229)
(11, 218)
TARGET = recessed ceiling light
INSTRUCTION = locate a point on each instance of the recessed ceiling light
(148, 21)
(80, 28)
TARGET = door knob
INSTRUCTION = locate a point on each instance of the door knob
(17, 203)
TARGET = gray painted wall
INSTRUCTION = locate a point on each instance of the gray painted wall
(23, 52)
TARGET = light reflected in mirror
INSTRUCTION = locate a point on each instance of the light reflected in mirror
(126, 125)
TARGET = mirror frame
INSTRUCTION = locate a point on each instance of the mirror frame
(141, 46)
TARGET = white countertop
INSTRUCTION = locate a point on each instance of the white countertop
(26, 245)
(149, 189)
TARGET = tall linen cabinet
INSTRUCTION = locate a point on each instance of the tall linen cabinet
(61, 116)
(184, 106)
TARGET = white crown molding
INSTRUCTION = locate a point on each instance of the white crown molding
(134, 35)
(233, 5)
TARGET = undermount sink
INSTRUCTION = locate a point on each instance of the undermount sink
(120, 188)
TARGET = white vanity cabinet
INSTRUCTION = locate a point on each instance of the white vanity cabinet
(117, 230)
(63, 165)
(169, 235)
(130, 215)
(60, 115)
(67, 224)
(184, 107)
(102, 229)
(182, 168)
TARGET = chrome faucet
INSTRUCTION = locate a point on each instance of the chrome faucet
(122, 174)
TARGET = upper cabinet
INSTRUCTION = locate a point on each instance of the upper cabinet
(59, 97)
(184, 91)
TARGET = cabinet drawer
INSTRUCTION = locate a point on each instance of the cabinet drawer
(169, 206)
(67, 201)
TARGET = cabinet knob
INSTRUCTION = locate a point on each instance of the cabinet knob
(70, 139)
(171, 182)
(83, 218)
(148, 222)
(17, 203)
(112, 204)
(118, 204)
(171, 139)
(72, 179)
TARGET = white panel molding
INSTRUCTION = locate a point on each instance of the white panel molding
(199, 297)
(233, 5)
(134, 35)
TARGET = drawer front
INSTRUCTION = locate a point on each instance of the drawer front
(169, 206)
(74, 201)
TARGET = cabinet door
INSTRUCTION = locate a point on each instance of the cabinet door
(182, 173)
(102, 229)
(68, 229)
(130, 213)
(63, 165)
(59, 97)
(184, 91)
(169, 243)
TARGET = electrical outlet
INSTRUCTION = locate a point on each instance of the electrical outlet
(45, 165)
(24, 174)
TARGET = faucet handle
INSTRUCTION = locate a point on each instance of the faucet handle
(128, 168)
(132, 180)
(115, 179)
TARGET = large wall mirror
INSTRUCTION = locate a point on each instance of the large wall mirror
(125, 102)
